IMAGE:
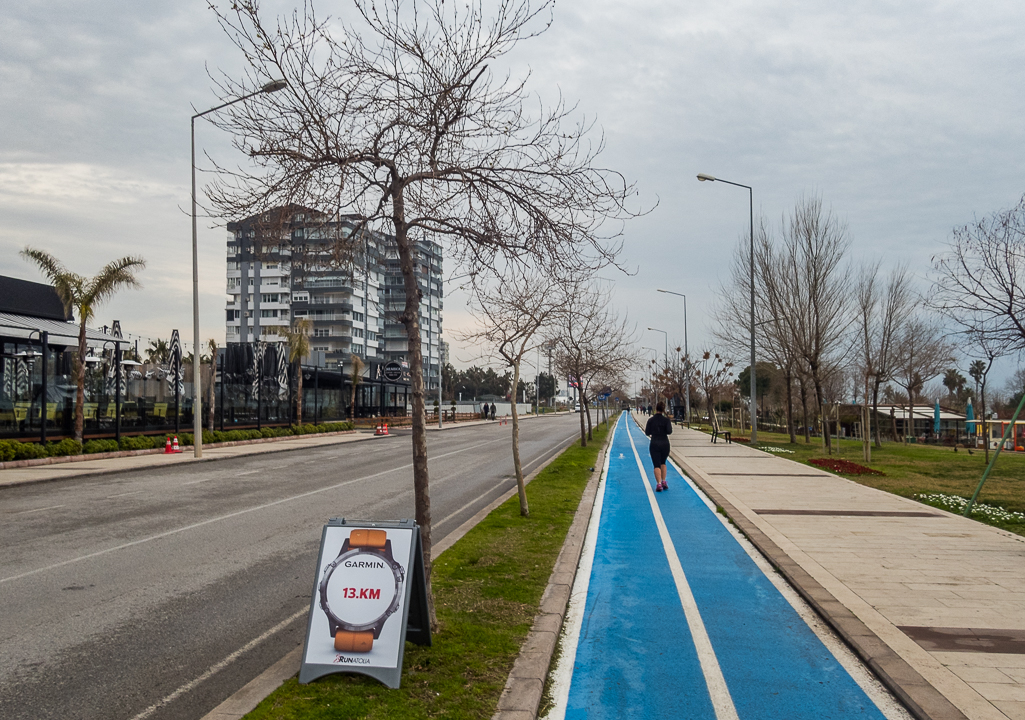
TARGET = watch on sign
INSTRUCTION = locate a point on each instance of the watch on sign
(364, 593)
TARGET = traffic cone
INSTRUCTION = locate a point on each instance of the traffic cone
(385, 427)
(175, 447)
(167, 447)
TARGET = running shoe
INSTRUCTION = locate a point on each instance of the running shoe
(658, 487)
(665, 485)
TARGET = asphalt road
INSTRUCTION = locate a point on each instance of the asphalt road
(157, 594)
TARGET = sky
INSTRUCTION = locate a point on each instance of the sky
(905, 118)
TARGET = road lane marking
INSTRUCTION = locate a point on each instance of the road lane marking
(219, 518)
(131, 492)
(213, 669)
(26, 512)
(719, 693)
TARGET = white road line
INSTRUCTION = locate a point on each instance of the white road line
(132, 492)
(26, 512)
(219, 518)
(219, 666)
(719, 693)
(562, 674)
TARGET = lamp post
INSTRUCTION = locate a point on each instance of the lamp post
(686, 351)
(651, 383)
(197, 407)
(667, 344)
(750, 196)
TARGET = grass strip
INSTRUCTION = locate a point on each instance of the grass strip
(487, 591)
(921, 472)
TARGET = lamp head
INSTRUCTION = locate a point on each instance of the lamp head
(274, 86)
(702, 177)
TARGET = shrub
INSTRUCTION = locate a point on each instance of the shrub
(99, 446)
(7, 450)
(29, 451)
(67, 446)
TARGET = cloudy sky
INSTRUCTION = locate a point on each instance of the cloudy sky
(905, 118)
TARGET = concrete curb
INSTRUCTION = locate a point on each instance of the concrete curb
(253, 693)
(521, 697)
(920, 698)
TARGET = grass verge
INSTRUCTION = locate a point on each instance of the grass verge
(923, 472)
(487, 590)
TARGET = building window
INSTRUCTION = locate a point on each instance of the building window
(357, 332)
(371, 335)
(268, 313)
(357, 316)
(269, 297)
(321, 332)
(357, 349)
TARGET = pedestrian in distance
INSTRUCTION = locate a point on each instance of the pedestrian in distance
(659, 428)
(494, 409)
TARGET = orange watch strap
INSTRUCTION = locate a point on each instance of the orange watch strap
(368, 538)
(346, 641)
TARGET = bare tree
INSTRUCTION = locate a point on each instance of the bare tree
(401, 118)
(921, 353)
(980, 281)
(882, 313)
(510, 314)
(211, 345)
(593, 340)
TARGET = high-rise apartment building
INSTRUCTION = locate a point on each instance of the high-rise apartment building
(293, 263)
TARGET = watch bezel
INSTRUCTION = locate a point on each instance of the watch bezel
(377, 622)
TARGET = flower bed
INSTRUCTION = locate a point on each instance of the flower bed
(957, 504)
(776, 449)
(843, 467)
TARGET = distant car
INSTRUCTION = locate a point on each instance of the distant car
(577, 408)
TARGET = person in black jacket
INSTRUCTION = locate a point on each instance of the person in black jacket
(659, 428)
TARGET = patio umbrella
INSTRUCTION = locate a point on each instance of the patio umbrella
(969, 414)
(936, 419)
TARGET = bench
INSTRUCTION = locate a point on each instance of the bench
(725, 433)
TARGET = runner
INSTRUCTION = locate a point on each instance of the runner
(659, 428)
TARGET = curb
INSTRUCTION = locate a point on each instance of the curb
(521, 697)
(920, 698)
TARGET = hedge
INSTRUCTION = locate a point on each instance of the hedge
(15, 450)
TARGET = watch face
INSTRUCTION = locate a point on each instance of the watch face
(363, 592)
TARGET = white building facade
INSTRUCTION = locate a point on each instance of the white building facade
(293, 263)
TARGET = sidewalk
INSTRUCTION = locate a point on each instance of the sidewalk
(933, 602)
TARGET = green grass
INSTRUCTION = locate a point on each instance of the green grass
(911, 470)
(487, 590)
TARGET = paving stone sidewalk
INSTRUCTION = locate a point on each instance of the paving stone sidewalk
(932, 601)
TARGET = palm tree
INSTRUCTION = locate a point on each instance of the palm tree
(83, 296)
(158, 352)
(298, 339)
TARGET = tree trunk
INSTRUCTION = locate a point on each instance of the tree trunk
(585, 406)
(788, 379)
(804, 410)
(583, 430)
(521, 488)
(410, 319)
(211, 395)
(79, 369)
(866, 430)
(299, 397)
(875, 414)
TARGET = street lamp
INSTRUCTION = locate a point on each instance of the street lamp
(686, 351)
(667, 345)
(750, 196)
(651, 384)
(197, 408)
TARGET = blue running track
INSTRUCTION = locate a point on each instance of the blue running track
(637, 653)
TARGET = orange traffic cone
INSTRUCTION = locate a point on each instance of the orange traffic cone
(167, 446)
(385, 427)
(175, 447)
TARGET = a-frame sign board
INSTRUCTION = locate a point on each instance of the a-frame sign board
(369, 597)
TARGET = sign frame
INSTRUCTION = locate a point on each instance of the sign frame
(413, 619)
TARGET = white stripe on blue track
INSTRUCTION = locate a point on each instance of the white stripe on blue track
(722, 702)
